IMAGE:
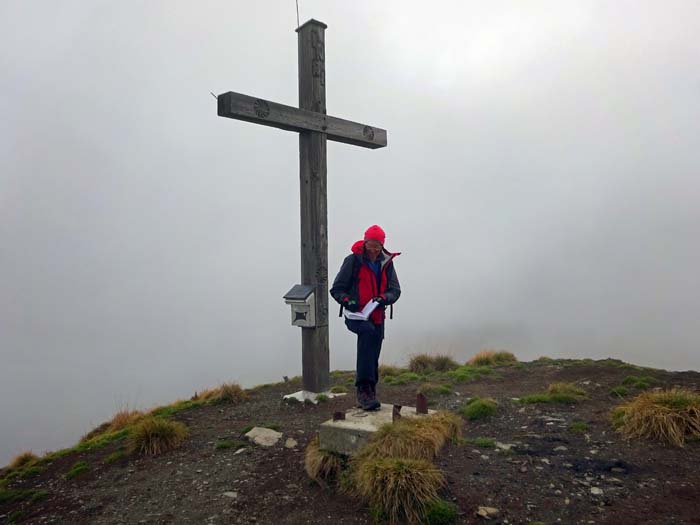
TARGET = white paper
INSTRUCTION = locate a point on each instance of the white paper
(364, 314)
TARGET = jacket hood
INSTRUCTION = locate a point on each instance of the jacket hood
(358, 248)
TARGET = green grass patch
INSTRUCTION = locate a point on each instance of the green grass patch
(425, 363)
(78, 468)
(482, 442)
(226, 444)
(639, 382)
(479, 408)
(322, 398)
(102, 440)
(432, 388)
(492, 358)
(619, 391)
(16, 495)
(578, 427)
(339, 389)
(441, 512)
(115, 456)
(16, 516)
(564, 393)
(467, 373)
(170, 410)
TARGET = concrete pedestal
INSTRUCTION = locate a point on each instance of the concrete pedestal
(347, 436)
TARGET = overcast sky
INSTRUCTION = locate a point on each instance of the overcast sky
(541, 180)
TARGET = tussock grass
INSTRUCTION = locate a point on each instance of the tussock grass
(557, 393)
(479, 408)
(390, 370)
(413, 438)
(402, 488)
(425, 363)
(492, 358)
(22, 460)
(670, 416)
(227, 393)
(441, 512)
(321, 465)
(152, 436)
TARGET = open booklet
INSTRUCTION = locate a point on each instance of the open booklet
(364, 314)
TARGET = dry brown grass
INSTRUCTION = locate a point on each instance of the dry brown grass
(152, 436)
(425, 363)
(22, 459)
(322, 466)
(566, 389)
(492, 358)
(400, 487)
(670, 416)
(390, 370)
(227, 393)
(413, 438)
(124, 418)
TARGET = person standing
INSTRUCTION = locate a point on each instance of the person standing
(367, 274)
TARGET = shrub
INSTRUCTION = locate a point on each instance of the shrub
(478, 408)
(492, 358)
(152, 436)
(321, 465)
(401, 488)
(670, 416)
(441, 512)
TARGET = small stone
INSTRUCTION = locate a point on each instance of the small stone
(487, 512)
(232, 495)
(545, 461)
(290, 443)
(618, 470)
(265, 437)
(240, 451)
(484, 457)
(523, 469)
(561, 449)
(503, 446)
(567, 501)
(596, 491)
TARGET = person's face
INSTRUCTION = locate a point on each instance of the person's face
(373, 248)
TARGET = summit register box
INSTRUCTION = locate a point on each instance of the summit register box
(302, 300)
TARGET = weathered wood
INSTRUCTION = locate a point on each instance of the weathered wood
(259, 111)
(314, 213)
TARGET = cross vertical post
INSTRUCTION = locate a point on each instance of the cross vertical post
(314, 208)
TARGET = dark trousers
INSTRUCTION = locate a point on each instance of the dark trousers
(369, 345)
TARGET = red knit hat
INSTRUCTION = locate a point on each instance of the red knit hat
(376, 233)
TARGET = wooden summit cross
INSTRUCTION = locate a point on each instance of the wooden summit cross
(314, 127)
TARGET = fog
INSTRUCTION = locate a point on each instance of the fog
(541, 181)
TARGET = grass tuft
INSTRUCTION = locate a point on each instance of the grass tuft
(466, 373)
(339, 389)
(482, 442)
(390, 371)
(401, 488)
(152, 436)
(619, 391)
(225, 444)
(431, 388)
(78, 468)
(556, 393)
(227, 393)
(321, 465)
(578, 427)
(639, 382)
(425, 363)
(22, 460)
(670, 416)
(441, 512)
(492, 358)
(479, 408)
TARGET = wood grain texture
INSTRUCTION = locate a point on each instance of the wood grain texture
(259, 111)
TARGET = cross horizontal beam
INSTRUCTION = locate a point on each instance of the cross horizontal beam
(259, 111)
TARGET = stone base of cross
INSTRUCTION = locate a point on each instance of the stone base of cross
(314, 127)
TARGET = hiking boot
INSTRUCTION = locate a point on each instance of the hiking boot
(366, 399)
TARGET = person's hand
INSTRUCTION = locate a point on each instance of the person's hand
(350, 304)
(380, 300)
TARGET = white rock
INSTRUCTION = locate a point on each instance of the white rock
(240, 451)
(561, 449)
(487, 512)
(503, 446)
(596, 491)
(290, 443)
(232, 495)
(265, 437)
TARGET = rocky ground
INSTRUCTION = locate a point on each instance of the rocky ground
(537, 468)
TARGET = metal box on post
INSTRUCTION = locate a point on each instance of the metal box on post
(303, 302)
